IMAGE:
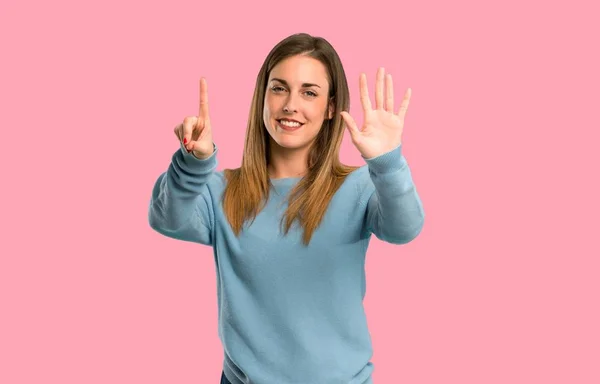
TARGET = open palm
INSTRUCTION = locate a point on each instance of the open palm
(382, 128)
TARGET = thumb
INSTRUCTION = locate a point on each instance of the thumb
(350, 124)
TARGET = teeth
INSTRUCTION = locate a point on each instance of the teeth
(289, 124)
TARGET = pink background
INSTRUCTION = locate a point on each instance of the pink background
(502, 286)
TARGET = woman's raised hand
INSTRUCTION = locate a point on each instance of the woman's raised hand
(195, 132)
(382, 128)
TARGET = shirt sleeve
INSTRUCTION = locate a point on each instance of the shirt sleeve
(394, 209)
(181, 205)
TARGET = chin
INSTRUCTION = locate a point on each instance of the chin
(290, 144)
(293, 139)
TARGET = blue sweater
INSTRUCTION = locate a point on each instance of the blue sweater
(290, 313)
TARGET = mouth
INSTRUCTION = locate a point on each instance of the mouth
(289, 124)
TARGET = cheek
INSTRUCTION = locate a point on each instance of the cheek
(318, 114)
(268, 108)
(267, 113)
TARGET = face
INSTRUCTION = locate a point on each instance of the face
(296, 102)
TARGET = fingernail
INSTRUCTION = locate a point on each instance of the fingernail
(184, 140)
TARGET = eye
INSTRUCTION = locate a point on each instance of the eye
(277, 88)
(311, 93)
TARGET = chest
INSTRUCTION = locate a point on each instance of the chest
(264, 240)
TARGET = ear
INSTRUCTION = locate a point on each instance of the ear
(331, 108)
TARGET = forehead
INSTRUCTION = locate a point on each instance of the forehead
(300, 69)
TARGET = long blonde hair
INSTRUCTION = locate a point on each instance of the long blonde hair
(247, 188)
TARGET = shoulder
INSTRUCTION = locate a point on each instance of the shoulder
(358, 178)
(388, 163)
(217, 180)
(214, 186)
(357, 184)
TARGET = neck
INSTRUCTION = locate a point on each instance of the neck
(284, 163)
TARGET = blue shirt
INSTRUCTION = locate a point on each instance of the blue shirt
(290, 313)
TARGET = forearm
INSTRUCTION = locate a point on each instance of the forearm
(395, 211)
(178, 206)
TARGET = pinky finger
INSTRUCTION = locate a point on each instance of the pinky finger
(404, 105)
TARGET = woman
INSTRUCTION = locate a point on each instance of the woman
(291, 226)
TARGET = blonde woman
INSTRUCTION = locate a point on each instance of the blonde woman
(290, 227)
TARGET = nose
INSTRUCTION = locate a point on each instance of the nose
(290, 105)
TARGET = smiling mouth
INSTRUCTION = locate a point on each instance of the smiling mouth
(289, 124)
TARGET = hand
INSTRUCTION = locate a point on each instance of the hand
(196, 132)
(382, 129)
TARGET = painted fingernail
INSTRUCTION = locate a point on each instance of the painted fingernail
(184, 140)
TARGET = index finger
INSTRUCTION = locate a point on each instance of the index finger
(203, 109)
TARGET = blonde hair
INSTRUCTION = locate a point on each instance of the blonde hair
(247, 188)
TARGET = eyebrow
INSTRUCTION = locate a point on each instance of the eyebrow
(304, 85)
